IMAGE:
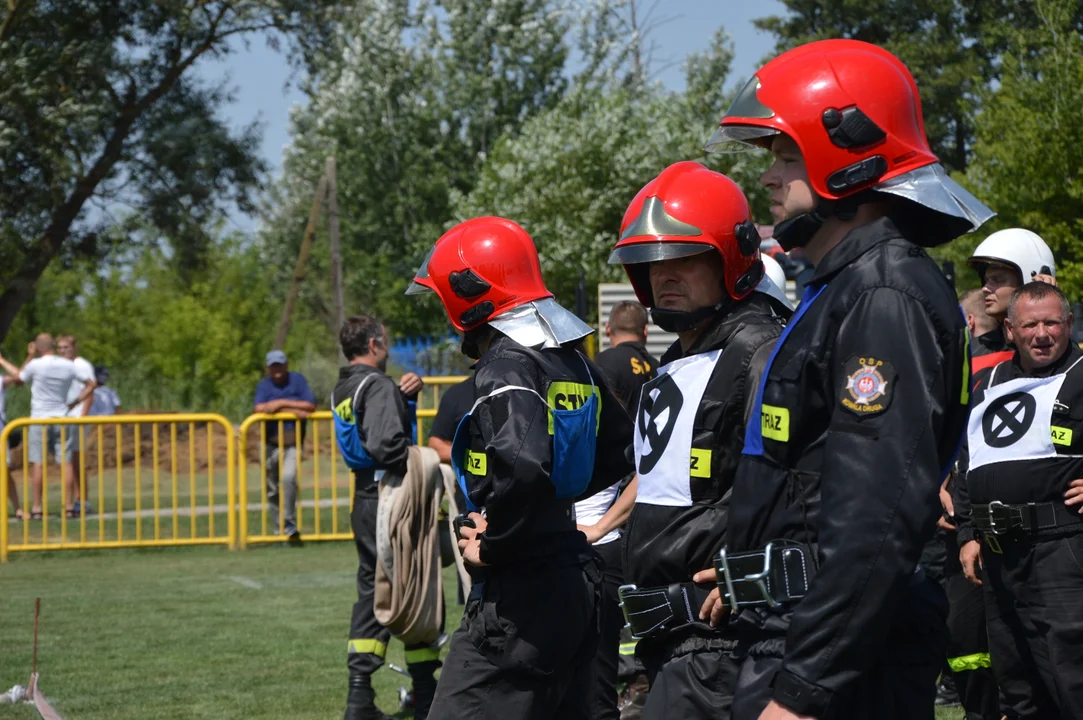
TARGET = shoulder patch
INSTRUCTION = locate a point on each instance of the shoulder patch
(870, 385)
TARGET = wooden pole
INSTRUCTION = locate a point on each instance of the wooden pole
(302, 260)
(336, 251)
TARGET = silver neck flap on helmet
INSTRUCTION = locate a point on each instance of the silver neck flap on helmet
(541, 323)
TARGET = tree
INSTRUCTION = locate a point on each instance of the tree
(573, 170)
(1028, 150)
(99, 108)
(409, 101)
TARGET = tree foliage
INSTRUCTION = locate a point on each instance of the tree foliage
(1028, 151)
(99, 109)
(569, 175)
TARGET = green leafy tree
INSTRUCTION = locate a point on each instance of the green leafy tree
(569, 175)
(99, 108)
(1028, 151)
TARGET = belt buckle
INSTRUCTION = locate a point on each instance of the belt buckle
(724, 579)
(993, 543)
(994, 507)
(620, 594)
(760, 579)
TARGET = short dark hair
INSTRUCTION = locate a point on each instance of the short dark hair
(629, 317)
(356, 333)
(1037, 290)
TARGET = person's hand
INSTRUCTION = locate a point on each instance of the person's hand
(592, 532)
(410, 384)
(301, 414)
(713, 607)
(469, 542)
(970, 559)
(774, 711)
(949, 509)
(1074, 495)
(1042, 277)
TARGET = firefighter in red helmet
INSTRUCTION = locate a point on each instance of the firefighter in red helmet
(544, 431)
(691, 251)
(862, 404)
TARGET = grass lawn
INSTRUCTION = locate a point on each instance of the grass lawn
(184, 633)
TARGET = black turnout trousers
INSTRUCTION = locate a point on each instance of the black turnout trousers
(526, 645)
(603, 704)
(1034, 605)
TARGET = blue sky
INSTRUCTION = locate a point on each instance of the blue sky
(259, 74)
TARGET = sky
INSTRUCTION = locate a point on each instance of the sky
(259, 75)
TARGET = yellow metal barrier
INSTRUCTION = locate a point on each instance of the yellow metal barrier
(324, 495)
(183, 509)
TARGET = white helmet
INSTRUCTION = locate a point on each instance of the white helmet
(1017, 248)
(774, 272)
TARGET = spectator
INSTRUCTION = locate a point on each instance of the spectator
(50, 376)
(13, 489)
(106, 400)
(455, 402)
(67, 347)
(288, 392)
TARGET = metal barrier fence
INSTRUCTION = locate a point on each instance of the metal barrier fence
(175, 479)
(271, 447)
(125, 481)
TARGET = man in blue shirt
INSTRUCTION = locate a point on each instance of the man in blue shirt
(283, 391)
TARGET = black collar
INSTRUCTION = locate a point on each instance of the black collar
(857, 242)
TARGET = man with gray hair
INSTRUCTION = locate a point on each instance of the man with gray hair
(50, 377)
(1023, 536)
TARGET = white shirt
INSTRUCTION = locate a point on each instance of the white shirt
(77, 385)
(49, 378)
(106, 401)
(591, 510)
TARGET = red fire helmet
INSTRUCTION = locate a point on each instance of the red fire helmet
(482, 268)
(688, 210)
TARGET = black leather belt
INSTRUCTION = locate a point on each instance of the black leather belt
(999, 518)
(774, 576)
(653, 610)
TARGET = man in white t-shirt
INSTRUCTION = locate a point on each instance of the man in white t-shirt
(67, 347)
(50, 377)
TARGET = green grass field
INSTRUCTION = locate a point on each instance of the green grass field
(184, 633)
(191, 633)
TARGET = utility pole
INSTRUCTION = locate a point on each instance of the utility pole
(302, 260)
(336, 253)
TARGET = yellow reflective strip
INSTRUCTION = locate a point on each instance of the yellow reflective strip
(969, 662)
(423, 655)
(1061, 435)
(368, 646)
(476, 463)
(775, 423)
(964, 394)
(628, 648)
(700, 462)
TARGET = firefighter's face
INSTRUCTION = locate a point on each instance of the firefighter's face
(1040, 330)
(688, 283)
(997, 287)
(787, 180)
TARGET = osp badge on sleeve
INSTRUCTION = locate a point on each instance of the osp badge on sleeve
(870, 385)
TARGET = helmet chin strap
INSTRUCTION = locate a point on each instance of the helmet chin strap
(677, 321)
(796, 232)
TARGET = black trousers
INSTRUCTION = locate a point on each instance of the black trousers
(368, 638)
(603, 704)
(1034, 604)
(526, 645)
(968, 641)
(897, 684)
(692, 671)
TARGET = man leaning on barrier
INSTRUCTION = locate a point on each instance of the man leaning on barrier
(374, 428)
(283, 391)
